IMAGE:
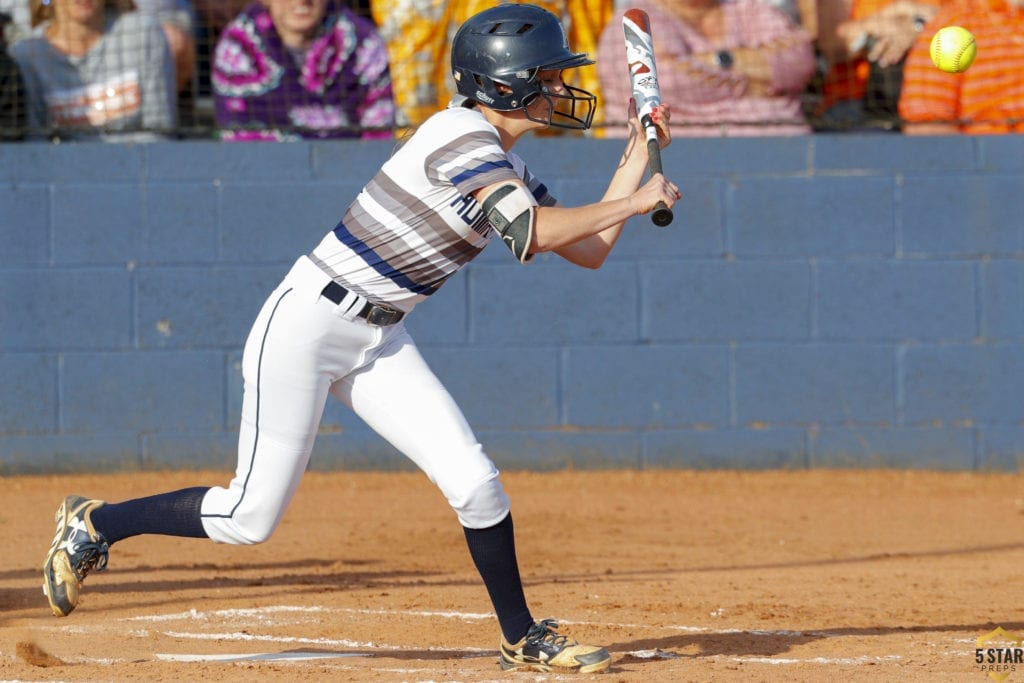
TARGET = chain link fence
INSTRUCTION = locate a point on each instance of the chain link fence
(228, 69)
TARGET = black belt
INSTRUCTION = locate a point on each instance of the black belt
(382, 316)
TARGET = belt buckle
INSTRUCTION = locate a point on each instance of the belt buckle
(382, 316)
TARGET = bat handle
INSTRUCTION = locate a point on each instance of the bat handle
(662, 215)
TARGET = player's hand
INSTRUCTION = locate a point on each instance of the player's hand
(657, 189)
(633, 125)
(661, 116)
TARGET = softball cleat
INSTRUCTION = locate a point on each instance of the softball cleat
(77, 549)
(543, 649)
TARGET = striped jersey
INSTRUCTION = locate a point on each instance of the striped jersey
(416, 223)
(989, 96)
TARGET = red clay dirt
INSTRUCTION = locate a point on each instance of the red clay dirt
(684, 576)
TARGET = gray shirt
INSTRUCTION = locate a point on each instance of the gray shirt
(18, 11)
(122, 88)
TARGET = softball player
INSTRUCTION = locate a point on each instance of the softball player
(335, 324)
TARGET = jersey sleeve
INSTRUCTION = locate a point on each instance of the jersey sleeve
(471, 160)
(537, 188)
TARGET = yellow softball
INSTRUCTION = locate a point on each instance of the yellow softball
(953, 49)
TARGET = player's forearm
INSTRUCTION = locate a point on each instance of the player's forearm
(561, 226)
(591, 251)
(630, 172)
(558, 227)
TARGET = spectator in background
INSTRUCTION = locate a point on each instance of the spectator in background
(175, 16)
(986, 99)
(864, 43)
(12, 90)
(418, 35)
(177, 19)
(97, 68)
(729, 68)
(18, 22)
(212, 17)
(217, 14)
(301, 68)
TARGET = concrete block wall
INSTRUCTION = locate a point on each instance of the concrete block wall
(824, 301)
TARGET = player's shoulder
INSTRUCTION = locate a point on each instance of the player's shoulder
(517, 163)
(461, 127)
(447, 134)
(457, 120)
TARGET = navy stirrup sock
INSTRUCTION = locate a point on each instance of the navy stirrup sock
(494, 553)
(177, 513)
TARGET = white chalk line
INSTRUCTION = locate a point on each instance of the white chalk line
(864, 659)
(258, 657)
(257, 612)
(332, 642)
(265, 613)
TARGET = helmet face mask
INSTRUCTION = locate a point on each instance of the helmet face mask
(573, 108)
(497, 58)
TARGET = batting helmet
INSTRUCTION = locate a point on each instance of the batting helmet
(509, 45)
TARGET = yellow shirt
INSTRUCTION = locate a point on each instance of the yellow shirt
(418, 34)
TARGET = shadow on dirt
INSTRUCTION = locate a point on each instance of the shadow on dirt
(315, 575)
(327, 574)
(754, 643)
(628, 574)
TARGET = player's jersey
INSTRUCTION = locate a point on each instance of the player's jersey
(415, 224)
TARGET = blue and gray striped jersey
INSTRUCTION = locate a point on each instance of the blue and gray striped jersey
(416, 223)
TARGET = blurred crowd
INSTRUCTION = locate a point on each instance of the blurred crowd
(289, 69)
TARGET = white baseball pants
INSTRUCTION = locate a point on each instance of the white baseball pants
(301, 348)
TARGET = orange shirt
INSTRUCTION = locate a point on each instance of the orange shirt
(848, 80)
(989, 96)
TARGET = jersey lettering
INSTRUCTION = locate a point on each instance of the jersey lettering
(471, 212)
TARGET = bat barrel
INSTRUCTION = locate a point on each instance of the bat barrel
(636, 26)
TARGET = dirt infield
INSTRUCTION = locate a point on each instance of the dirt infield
(802, 576)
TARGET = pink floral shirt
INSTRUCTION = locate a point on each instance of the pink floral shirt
(710, 100)
(338, 87)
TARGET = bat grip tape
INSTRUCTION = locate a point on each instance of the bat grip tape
(654, 156)
(653, 148)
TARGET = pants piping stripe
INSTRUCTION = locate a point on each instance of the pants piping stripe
(256, 437)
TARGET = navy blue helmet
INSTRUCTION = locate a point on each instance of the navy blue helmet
(508, 46)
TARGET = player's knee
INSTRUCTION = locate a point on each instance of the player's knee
(238, 529)
(482, 506)
(255, 535)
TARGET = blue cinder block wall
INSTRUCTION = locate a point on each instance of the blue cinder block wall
(825, 301)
